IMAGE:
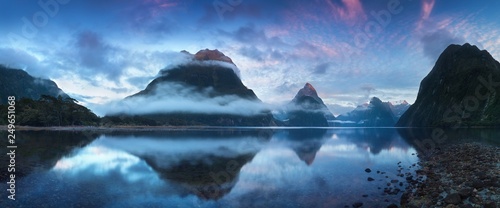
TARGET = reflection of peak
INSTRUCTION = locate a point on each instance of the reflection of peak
(306, 143)
(214, 55)
(209, 177)
(308, 151)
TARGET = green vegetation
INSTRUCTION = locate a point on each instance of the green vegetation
(50, 111)
(16, 82)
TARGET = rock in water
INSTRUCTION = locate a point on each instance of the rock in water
(462, 89)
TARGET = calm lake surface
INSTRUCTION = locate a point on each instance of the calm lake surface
(218, 167)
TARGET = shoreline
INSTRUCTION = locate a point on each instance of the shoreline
(112, 128)
(459, 175)
(179, 128)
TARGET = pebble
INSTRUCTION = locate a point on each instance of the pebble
(465, 193)
(357, 204)
(468, 172)
(453, 198)
(490, 205)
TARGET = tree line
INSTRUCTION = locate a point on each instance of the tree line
(50, 111)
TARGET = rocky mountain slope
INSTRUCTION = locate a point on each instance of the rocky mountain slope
(306, 109)
(205, 91)
(462, 89)
(39, 102)
(399, 108)
(16, 82)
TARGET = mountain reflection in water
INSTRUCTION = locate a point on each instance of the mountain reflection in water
(225, 168)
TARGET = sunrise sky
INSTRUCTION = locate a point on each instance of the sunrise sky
(349, 50)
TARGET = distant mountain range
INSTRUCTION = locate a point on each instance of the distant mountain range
(373, 114)
(462, 89)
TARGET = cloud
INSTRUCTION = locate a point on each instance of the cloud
(188, 59)
(338, 109)
(368, 89)
(222, 11)
(91, 56)
(22, 60)
(347, 11)
(435, 42)
(250, 34)
(253, 53)
(427, 6)
(321, 68)
(287, 87)
(92, 51)
(255, 44)
(150, 18)
(178, 98)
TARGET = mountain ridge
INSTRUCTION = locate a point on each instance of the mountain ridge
(19, 83)
(307, 109)
(201, 81)
(460, 90)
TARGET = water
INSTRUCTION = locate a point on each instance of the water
(215, 168)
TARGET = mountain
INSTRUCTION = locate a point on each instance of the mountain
(460, 90)
(306, 109)
(39, 102)
(16, 82)
(399, 108)
(374, 114)
(204, 91)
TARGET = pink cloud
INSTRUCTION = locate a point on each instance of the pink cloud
(157, 7)
(349, 11)
(427, 6)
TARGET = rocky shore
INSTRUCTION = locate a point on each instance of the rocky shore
(458, 175)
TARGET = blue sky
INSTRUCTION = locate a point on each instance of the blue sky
(349, 50)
